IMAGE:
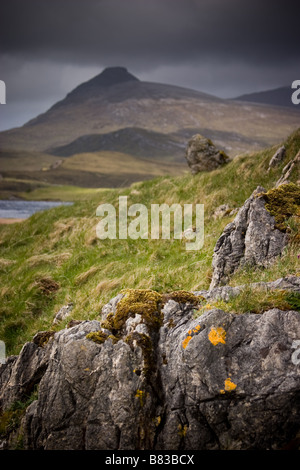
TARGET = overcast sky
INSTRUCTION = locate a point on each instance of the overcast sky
(222, 47)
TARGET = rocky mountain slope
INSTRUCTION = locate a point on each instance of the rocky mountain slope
(277, 97)
(116, 112)
(190, 350)
(160, 380)
(130, 140)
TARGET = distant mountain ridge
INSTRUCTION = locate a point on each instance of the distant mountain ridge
(118, 113)
(115, 99)
(131, 140)
(276, 97)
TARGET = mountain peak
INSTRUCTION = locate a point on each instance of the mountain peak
(114, 75)
(109, 77)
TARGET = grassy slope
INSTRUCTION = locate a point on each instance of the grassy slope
(55, 257)
(108, 162)
(32, 177)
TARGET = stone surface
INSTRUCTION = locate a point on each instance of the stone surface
(63, 313)
(202, 155)
(277, 158)
(290, 167)
(252, 238)
(288, 283)
(224, 210)
(219, 381)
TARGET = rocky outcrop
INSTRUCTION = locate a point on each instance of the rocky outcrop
(251, 239)
(202, 155)
(152, 375)
(290, 167)
(277, 158)
(63, 313)
(288, 283)
(224, 210)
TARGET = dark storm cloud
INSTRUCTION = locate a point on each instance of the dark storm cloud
(223, 47)
(155, 31)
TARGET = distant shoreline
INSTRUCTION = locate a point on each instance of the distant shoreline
(12, 211)
(10, 221)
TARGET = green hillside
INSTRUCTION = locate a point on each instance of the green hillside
(55, 257)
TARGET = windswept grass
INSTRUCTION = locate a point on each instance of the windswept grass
(255, 300)
(61, 193)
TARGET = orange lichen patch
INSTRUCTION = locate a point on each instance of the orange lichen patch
(217, 335)
(186, 341)
(229, 386)
(191, 333)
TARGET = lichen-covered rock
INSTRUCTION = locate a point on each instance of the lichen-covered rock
(251, 239)
(226, 378)
(202, 155)
(175, 382)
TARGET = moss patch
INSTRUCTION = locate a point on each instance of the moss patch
(283, 203)
(148, 304)
(293, 300)
(42, 338)
(10, 419)
(97, 336)
(144, 302)
(182, 297)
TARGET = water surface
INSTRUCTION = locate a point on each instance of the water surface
(14, 209)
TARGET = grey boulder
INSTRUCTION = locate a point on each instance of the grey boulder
(217, 381)
(250, 239)
(202, 155)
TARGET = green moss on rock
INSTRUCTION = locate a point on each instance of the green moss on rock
(108, 322)
(283, 203)
(148, 304)
(97, 336)
(144, 302)
(42, 337)
(183, 297)
(11, 419)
